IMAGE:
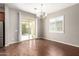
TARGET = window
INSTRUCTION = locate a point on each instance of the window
(56, 24)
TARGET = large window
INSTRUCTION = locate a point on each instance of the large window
(56, 24)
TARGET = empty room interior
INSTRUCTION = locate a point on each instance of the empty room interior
(39, 29)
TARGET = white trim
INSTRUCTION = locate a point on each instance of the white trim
(19, 26)
(47, 39)
(64, 43)
(18, 42)
(56, 32)
(36, 27)
(63, 26)
(20, 33)
(10, 43)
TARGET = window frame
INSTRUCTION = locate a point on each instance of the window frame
(63, 25)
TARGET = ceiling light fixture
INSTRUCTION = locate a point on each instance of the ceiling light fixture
(40, 13)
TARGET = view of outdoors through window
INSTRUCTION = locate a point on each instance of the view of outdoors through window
(56, 24)
(28, 29)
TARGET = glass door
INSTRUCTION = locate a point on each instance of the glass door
(28, 29)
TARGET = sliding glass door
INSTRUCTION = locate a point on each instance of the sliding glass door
(28, 29)
(27, 26)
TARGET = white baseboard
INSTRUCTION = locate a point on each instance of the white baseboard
(16, 42)
(10, 44)
(47, 39)
(63, 42)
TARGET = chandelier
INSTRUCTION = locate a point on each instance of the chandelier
(41, 13)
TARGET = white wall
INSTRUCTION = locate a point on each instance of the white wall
(12, 23)
(71, 35)
(39, 28)
(11, 18)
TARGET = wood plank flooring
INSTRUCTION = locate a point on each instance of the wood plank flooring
(39, 47)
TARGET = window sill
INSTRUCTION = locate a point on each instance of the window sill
(57, 32)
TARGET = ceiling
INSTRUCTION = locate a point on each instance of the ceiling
(47, 7)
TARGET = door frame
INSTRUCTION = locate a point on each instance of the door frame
(20, 33)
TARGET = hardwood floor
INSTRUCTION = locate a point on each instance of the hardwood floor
(39, 47)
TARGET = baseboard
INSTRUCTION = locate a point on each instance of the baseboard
(40, 38)
(20, 41)
(63, 42)
(45, 39)
(10, 43)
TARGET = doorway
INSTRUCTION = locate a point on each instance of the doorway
(28, 29)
